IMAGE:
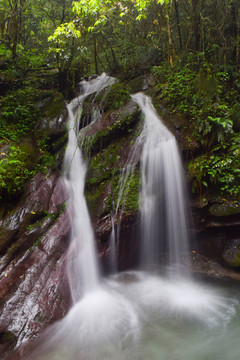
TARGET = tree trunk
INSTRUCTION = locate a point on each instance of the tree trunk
(196, 23)
(95, 54)
(15, 29)
(234, 30)
(170, 41)
(178, 25)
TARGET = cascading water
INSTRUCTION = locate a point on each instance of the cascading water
(83, 272)
(137, 315)
(163, 211)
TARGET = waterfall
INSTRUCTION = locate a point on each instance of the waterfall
(163, 210)
(137, 315)
(83, 269)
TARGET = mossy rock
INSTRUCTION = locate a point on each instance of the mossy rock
(121, 124)
(7, 341)
(137, 84)
(224, 209)
(29, 155)
(231, 255)
(114, 98)
(95, 197)
(103, 165)
(29, 234)
(130, 193)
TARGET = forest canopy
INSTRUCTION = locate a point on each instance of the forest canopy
(98, 35)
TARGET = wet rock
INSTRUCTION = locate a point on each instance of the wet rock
(35, 287)
(206, 267)
(113, 126)
(231, 254)
(224, 209)
(34, 239)
(7, 341)
(140, 83)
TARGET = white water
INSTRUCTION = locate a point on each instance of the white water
(83, 272)
(135, 315)
(163, 212)
(139, 316)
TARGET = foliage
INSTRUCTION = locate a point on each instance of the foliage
(201, 97)
(219, 168)
(62, 42)
(18, 114)
(46, 160)
(25, 150)
(14, 170)
(205, 97)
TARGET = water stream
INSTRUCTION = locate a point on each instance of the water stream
(139, 315)
(163, 212)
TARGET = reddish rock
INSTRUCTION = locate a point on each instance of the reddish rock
(33, 283)
(35, 287)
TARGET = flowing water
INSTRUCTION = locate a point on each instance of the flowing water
(83, 272)
(163, 212)
(139, 315)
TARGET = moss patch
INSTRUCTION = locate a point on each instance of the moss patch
(121, 125)
(103, 165)
(114, 98)
(224, 209)
(129, 201)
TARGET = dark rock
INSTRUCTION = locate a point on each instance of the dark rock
(7, 341)
(224, 209)
(140, 83)
(231, 254)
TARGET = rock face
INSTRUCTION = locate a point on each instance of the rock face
(34, 233)
(217, 227)
(33, 284)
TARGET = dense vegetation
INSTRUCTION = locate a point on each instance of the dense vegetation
(191, 48)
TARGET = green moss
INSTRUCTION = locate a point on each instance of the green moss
(130, 194)
(19, 113)
(39, 317)
(94, 197)
(224, 209)
(123, 124)
(231, 257)
(7, 337)
(136, 84)
(116, 97)
(103, 164)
